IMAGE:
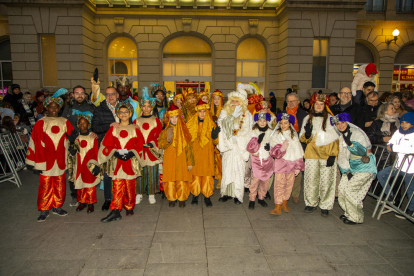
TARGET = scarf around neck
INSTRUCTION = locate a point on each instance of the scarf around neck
(387, 120)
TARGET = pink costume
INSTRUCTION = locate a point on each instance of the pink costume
(262, 164)
(285, 164)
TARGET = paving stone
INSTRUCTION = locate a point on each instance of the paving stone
(357, 270)
(403, 265)
(285, 243)
(180, 222)
(193, 237)
(230, 237)
(122, 228)
(393, 248)
(177, 253)
(176, 269)
(240, 260)
(333, 238)
(298, 262)
(124, 242)
(232, 221)
(12, 259)
(112, 272)
(62, 267)
(117, 259)
(350, 254)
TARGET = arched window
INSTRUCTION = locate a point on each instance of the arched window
(187, 63)
(251, 62)
(6, 76)
(403, 76)
(122, 58)
(363, 55)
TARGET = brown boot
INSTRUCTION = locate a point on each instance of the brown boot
(295, 199)
(285, 207)
(277, 211)
(181, 204)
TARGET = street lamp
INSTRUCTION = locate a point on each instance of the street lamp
(395, 33)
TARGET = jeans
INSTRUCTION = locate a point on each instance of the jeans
(382, 179)
(107, 187)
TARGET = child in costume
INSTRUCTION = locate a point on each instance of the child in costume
(357, 165)
(216, 104)
(47, 152)
(121, 148)
(402, 142)
(150, 157)
(178, 162)
(204, 135)
(261, 161)
(322, 147)
(288, 153)
(85, 169)
(204, 96)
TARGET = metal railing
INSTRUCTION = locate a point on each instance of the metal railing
(383, 160)
(13, 148)
(394, 196)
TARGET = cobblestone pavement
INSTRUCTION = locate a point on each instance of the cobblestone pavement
(226, 239)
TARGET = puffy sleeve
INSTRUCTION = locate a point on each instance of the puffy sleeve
(357, 149)
(107, 148)
(276, 152)
(36, 155)
(253, 146)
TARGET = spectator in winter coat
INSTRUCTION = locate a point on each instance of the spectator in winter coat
(14, 96)
(371, 109)
(345, 105)
(273, 102)
(366, 73)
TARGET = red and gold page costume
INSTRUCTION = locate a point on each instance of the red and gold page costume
(122, 172)
(86, 158)
(47, 152)
(177, 156)
(203, 149)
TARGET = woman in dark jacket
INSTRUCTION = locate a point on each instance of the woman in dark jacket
(381, 130)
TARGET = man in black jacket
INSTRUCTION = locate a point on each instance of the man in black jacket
(371, 109)
(13, 97)
(78, 105)
(346, 105)
(103, 118)
(293, 108)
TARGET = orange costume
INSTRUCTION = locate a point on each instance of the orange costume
(47, 152)
(203, 149)
(178, 155)
(215, 113)
(123, 172)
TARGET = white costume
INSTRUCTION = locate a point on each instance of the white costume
(361, 78)
(233, 147)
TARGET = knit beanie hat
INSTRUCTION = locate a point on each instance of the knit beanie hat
(39, 94)
(371, 68)
(408, 117)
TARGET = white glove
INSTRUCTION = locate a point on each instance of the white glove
(354, 93)
(234, 140)
(237, 111)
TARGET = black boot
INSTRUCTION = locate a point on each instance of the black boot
(171, 203)
(195, 200)
(105, 206)
(113, 215)
(246, 190)
(262, 202)
(163, 195)
(309, 209)
(251, 205)
(224, 198)
(236, 201)
(324, 213)
(129, 212)
(268, 195)
(208, 202)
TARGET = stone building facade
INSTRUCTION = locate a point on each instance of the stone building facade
(83, 31)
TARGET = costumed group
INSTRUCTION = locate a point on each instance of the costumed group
(180, 148)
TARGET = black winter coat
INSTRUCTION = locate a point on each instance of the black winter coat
(370, 113)
(13, 99)
(102, 120)
(355, 110)
(375, 134)
(24, 115)
(73, 109)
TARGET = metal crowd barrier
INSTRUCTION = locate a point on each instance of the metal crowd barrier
(13, 148)
(387, 201)
(380, 152)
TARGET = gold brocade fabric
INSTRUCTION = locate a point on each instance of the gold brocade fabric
(110, 166)
(204, 135)
(71, 167)
(182, 136)
(189, 110)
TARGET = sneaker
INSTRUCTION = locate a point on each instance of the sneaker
(138, 199)
(151, 199)
(74, 202)
(59, 211)
(43, 216)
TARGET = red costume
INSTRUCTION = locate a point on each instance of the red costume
(122, 172)
(47, 152)
(86, 160)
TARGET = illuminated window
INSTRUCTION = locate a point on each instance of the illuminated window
(251, 60)
(320, 48)
(5, 67)
(403, 76)
(187, 63)
(122, 58)
(49, 63)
